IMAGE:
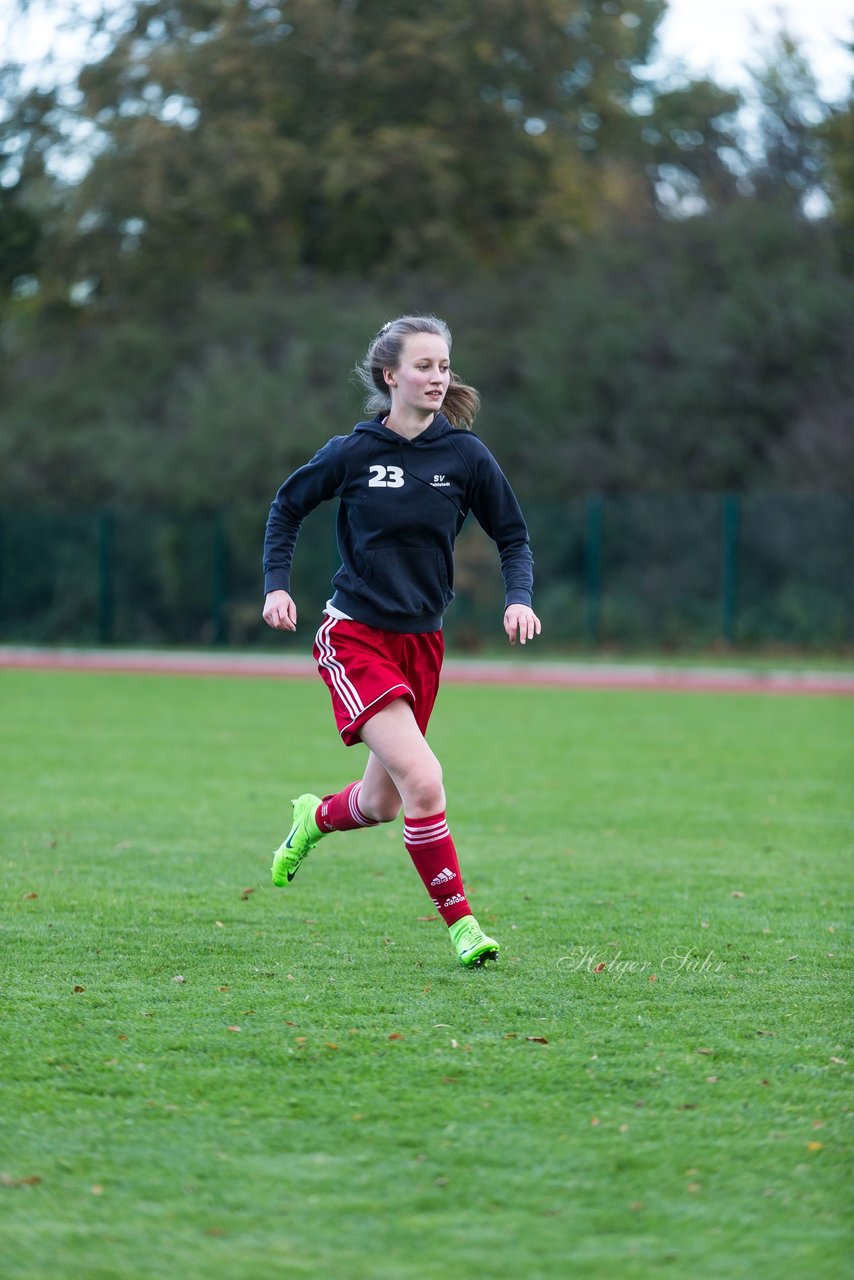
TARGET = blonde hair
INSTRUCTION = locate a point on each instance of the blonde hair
(461, 402)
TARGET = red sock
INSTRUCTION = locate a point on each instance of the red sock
(429, 844)
(341, 812)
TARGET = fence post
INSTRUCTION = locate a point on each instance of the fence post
(731, 514)
(104, 542)
(219, 580)
(593, 567)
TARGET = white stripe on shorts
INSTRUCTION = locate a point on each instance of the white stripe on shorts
(346, 691)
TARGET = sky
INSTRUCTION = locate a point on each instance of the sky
(724, 37)
(718, 37)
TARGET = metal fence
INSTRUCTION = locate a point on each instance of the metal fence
(675, 571)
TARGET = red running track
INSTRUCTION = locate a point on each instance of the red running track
(518, 671)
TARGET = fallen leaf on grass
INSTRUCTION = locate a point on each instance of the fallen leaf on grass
(712, 1079)
(636, 1206)
(708, 1052)
(397, 1035)
(329, 1045)
(6, 1180)
(537, 1039)
(695, 1186)
(222, 988)
(840, 1062)
(511, 1035)
(594, 1120)
(214, 1231)
(219, 924)
(232, 1028)
(426, 917)
(78, 989)
(652, 978)
(791, 958)
(29, 896)
(96, 1189)
(600, 967)
(123, 1037)
(815, 1146)
(244, 894)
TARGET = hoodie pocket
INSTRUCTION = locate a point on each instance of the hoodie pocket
(408, 581)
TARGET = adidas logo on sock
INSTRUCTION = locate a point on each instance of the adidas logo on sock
(443, 877)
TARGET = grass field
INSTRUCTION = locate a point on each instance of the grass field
(205, 1077)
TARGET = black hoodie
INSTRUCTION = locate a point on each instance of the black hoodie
(402, 504)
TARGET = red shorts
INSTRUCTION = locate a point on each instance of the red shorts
(366, 669)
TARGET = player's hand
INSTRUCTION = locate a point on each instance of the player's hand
(520, 619)
(280, 611)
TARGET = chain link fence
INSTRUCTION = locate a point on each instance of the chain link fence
(637, 571)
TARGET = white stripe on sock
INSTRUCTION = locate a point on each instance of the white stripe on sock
(355, 812)
(430, 835)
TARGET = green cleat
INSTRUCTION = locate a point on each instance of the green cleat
(302, 838)
(472, 945)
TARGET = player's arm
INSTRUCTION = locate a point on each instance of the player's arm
(309, 485)
(497, 511)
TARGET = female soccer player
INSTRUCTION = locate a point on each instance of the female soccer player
(405, 481)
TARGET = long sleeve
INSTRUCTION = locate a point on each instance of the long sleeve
(497, 511)
(304, 490)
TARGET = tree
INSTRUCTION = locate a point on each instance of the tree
(791, 166)
(837, 132)
(350, 135)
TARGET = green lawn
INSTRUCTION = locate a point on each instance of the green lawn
(324, 1092)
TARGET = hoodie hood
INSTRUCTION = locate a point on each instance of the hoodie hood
(440, 426)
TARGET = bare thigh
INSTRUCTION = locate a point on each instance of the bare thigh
(402, 766)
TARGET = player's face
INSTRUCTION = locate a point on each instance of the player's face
(421, 379)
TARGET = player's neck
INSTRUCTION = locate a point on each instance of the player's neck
(408, 423)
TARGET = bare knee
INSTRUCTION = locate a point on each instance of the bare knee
(422, 790)
(379, 798)
(381, 808)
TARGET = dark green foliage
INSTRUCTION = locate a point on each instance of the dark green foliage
(703, 355)
(271, 183)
